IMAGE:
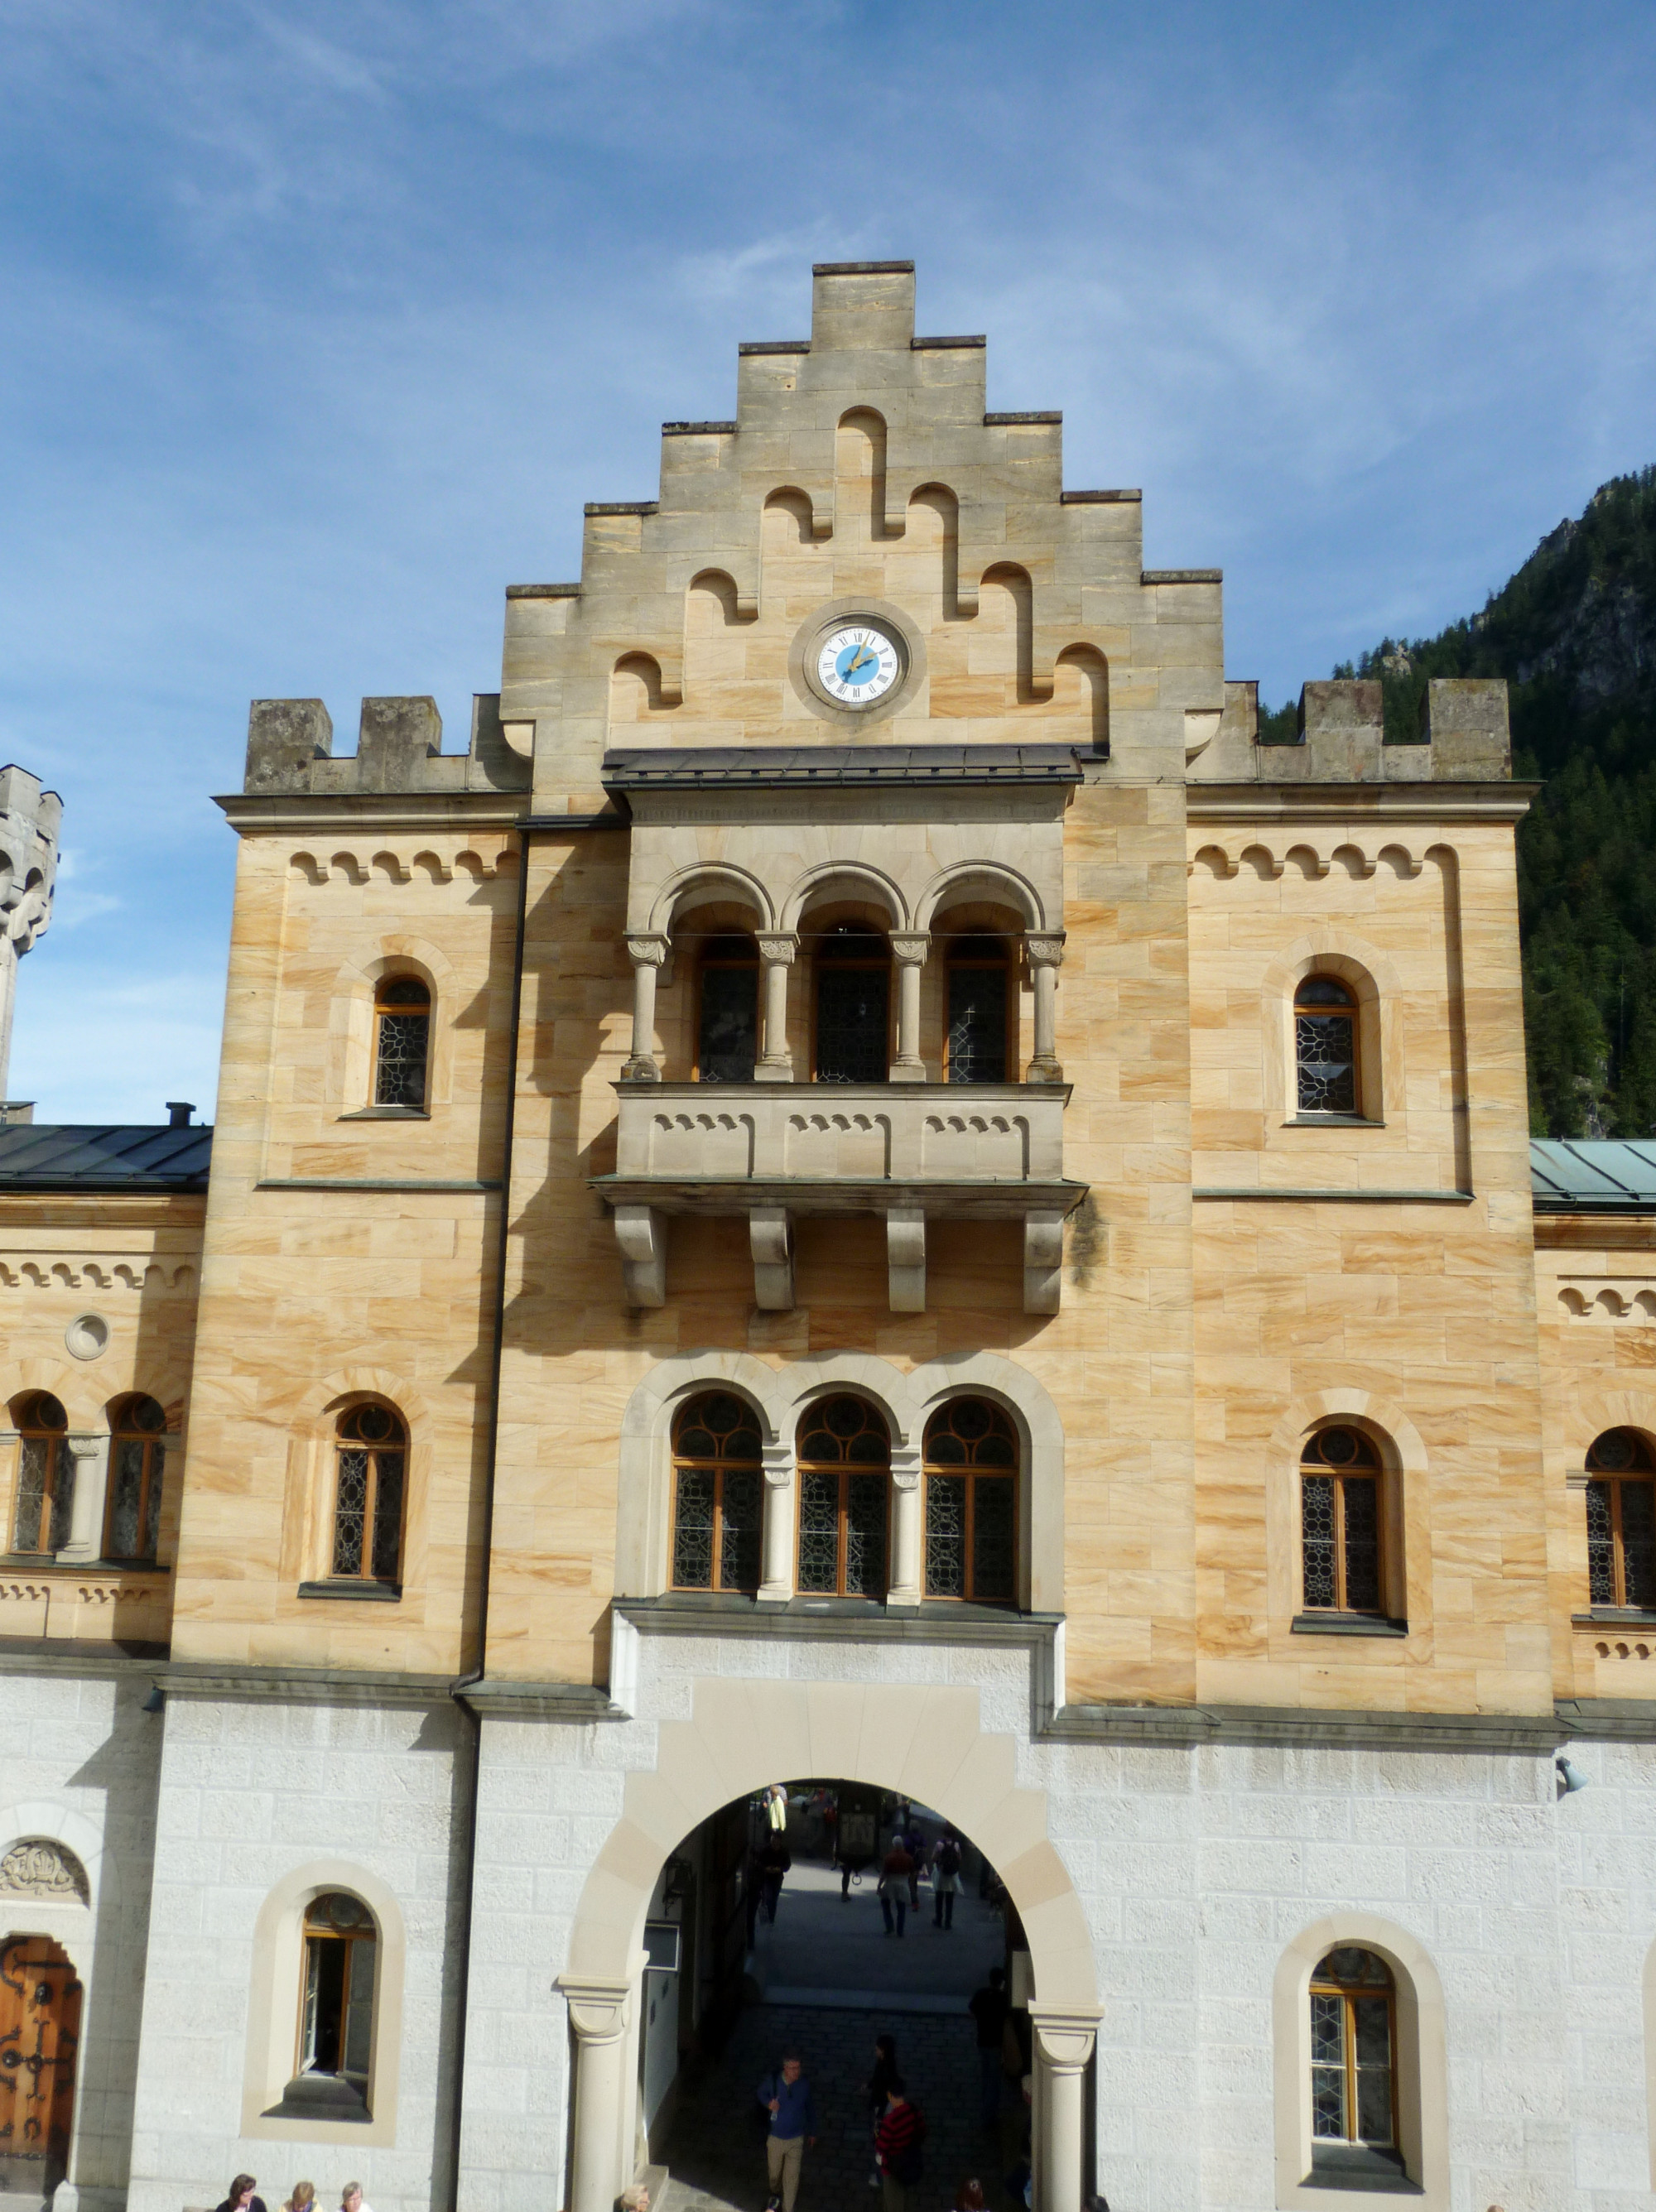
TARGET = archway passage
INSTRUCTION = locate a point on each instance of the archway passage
(40, 2042)
(924, 1743)
(820, 1918)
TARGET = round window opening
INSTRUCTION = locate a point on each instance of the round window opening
(87, 1336)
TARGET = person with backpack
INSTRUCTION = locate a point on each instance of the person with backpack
(789, 2113)
(894, 1878)
(897, 2147)
(946, 1879)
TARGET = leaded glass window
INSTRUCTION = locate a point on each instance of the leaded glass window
(727, 1028)
(977, 1011)
(1341, 1539)
(971, 1503)
(1325, 1046)
(402, 1017)
(844, 1459)
(137, 1460)
(370, 1475)
(854, 988)
(1622, 1520)
(718, 1495)
(1353, 2050)
(44, 1501)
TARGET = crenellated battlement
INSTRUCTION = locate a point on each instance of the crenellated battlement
(1463, 737)
(399, 749)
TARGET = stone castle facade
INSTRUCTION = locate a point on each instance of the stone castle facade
(866, 1189)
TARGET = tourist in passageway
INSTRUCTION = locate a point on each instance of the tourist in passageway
(786, 2095)
(775, 1862)
(988, 2008)
(894, 1885)
(946, 1879)
(898, 2141)
(877, 2089)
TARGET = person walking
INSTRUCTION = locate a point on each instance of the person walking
(894, 1884)
(876, 2088)
(775, 1862)
(897, 2147)
(786, 2095)
(240, 2196)
(989, 2008)
(946, 1879)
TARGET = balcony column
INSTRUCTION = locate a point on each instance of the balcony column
(908, 949)
(88, 1457)
(907, 1504)
(600, 2013)
(1045, 954)
(649, 954)
(1063, 2043)
(777, 1541)
(776, 951)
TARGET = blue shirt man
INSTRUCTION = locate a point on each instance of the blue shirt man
(786, 2095)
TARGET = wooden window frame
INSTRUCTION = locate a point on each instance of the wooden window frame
(352, 1940)
(1370, 1469)
(384, 1007)
(1616, 1482)
(718, 1467)
(1353, 1012)
(972, 1473)
(1007, 967)
(397, 1443)
(57, 1461)
(154, 1442)
(704, 961)
(1349, 1994)
(844, 1468)
(870, 966)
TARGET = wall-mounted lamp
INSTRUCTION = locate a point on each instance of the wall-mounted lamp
(1570, 1778)
(679, 1875)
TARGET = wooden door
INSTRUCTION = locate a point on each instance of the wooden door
(39, 2040)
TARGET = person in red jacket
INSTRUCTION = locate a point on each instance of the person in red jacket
(898, 2146)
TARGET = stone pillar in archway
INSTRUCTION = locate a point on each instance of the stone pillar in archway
(776, 1528)
(903, 1577)
(600, 2013)
(1063, 2043)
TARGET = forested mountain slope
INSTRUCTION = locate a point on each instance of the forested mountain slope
(1574, 634)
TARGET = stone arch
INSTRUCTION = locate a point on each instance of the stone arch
(350, 1016)
(1586, 1414)
(860, 473)
(643, 1504)
(715, 878)
(274, 1998)
(1378, 989)
(1080, 694)
(1420, 2058)
(936, 540)
(1006, 610)
(638, 689)
(991, 881)
(1408, 1504)
(844, 879)
(311, 1445)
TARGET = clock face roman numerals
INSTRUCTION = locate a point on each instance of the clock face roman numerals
(858, 664)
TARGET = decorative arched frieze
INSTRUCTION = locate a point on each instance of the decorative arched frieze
(1312, 851)
(55, 1857)
(1420, 2057)
(435, 868)
(275, 1994)
(1331, 951)
(1408, 1504)
(36, 1867)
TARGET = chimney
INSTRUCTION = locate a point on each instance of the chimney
(178, 1111)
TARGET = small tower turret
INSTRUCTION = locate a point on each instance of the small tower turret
(29, 826)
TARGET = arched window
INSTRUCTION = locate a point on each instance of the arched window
(1354, 2072)
(371, 1463)
(979, 1005)
(46, 1476)
(1341, 1522)
(971, 1503)
(1622, 1520)
(727, 1019)
(718, 1495)
(137, 1459)
(402, 1041)
(1325, 1046)
(336, 2019)
(844, 1459)
(853, 970)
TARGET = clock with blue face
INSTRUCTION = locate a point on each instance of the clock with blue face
(858, 664)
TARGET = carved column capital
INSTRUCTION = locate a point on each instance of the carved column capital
(910, 947)
(1045, 950)
(777, 947)
(776, 1464)
(598, 2010)
(648, 949)
(1065, 2039)
(905, 1466)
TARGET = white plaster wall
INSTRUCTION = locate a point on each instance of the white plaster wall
(250, 1791)
(1195, 1868)
(79, 1763)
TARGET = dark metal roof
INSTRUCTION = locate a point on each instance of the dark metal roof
(769, 766)
(1601, 1175)
(92, 1156)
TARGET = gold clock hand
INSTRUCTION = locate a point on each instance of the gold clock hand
(862, 654)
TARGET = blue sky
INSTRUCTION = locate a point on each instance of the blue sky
(323, 317)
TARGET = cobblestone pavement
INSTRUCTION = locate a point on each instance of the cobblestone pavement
(715, 2158)
(835, 1981)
